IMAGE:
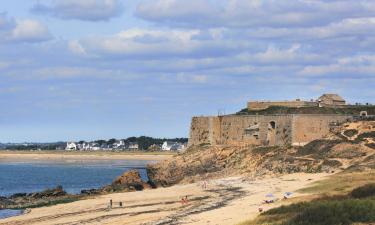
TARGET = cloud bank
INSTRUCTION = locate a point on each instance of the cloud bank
(87, 10)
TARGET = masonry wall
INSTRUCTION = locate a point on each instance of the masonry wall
(233, 130)
(306, 128)
(264, 105)
(287, 130)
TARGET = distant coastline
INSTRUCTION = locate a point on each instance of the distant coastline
(93, 155)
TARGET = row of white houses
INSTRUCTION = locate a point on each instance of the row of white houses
(121, 145)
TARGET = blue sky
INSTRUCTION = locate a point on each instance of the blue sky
(89, 69)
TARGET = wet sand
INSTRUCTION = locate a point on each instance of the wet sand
(224, 201)
(64, 155)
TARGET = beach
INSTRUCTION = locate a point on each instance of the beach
(223, 201)
(77, 155)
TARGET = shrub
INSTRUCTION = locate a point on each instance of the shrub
(351, 132)
(365, 191)
(343, 212)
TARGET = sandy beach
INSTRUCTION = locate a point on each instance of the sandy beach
(223, 201)
(54, 155)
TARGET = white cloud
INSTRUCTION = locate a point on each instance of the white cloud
(245, 13)
(144, 43)
(30, 31)
(88, 10)
(355, 66)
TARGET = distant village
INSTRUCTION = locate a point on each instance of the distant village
(122, 145)
(142, 143)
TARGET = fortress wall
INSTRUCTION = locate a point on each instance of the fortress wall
(233, 130)
(307, 128)
(203, 130)
(265, 130)
(265, 105)
(199, 130)
(282, 135)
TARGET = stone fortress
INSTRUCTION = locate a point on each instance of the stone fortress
(260, 128)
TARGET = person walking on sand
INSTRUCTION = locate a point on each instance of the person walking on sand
(204, 184)
(110, 204)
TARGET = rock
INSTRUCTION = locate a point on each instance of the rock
(56, 192)
(91, 192)
(4, 202)
(130, 180)
(18, 195)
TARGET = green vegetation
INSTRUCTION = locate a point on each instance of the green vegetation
(344, 199)
(144, 143)
(365, 191)
(351, 132)
(44, 203)
(318, 148)
(348, 110)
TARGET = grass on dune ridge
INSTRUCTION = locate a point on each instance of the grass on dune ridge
(343, 199)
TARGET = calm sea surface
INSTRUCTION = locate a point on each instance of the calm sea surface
(73, 175)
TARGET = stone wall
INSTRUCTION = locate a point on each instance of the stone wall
(306, 128)
(261, 129)
(252, 129)
(264, 105)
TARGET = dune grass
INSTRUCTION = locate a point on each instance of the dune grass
(344, 199)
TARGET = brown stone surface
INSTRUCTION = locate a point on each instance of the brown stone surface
(257, 129)
(131, 180)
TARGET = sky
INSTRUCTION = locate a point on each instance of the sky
(98, 69)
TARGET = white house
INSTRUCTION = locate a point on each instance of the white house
(119, 144)
(71, 146)
(172, 146)
(133, 146)
(167, 145)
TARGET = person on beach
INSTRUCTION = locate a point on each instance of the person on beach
(184, 200)
(110, 204)
(204, 184)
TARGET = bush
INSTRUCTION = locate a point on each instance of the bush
(351, 132)
(365, 191)
(343, 212)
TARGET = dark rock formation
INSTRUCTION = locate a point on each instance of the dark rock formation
(129, 181)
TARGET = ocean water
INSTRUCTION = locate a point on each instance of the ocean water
(73, 175)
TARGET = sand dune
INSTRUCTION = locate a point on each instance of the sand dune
(224, 201)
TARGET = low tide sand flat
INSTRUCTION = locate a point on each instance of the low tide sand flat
(14, 155)
(224, 201)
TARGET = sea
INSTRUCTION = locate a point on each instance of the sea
(72, 175)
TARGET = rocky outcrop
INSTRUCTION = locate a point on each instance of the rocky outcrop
(129, 181)
(46, 197)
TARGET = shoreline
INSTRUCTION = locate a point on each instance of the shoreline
(6, 155)
(225, 201)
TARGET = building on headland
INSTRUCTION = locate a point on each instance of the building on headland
(261, 128)
(326, 100)
(331, 100)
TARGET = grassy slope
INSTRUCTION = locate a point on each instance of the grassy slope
(330, 203)
(349, 110)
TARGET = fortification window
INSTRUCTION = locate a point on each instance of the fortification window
(272, 125)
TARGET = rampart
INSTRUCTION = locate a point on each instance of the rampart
(260, 105)
(289, 129)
